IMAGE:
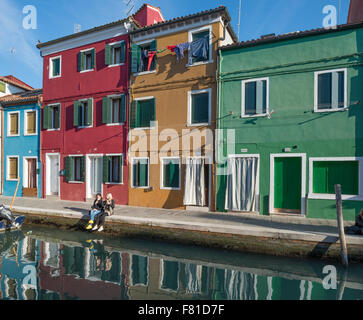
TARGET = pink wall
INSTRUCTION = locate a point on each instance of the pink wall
(148, 15)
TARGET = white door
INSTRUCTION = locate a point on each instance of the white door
(96, 175)
(54, 175)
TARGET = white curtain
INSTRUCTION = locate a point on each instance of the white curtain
(241, 184)
(193, 278)
(194, 194)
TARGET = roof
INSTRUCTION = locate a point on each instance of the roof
(82, 33)
(290, 36)
(355, 11)
(191, 16)
(15, 82)
(23, 97)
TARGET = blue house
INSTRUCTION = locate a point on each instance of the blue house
(21, 143)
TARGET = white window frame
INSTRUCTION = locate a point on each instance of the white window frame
(113, 45)
(86, 100)
(148, 271)
(112, 97)
(60, 111)
(257, 156)
(195, 92)
(144, 72)
(8, 168)
(51, 67)
(243, 112)
(190, 36)
(25, 171)
(26, 123)
(9, 124)
(133, 160)
(145, 99)
(324, 196)
(122, 171)
(303, 180)
(316, 91)
(85, 51)
(73, 164)
(162, 173)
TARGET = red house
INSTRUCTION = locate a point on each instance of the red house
(85, 116)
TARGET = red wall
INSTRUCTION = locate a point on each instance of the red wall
(101, 139)
(147, 16)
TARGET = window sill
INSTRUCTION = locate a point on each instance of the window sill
(30, 134)
(201, 63)
(318, 196)
(116, 65)
(254, 116)
(84, 127)
(55, 77)
(330, 110)
(13, 135)
(76, 182)
(170, 189)
(146, 128)
(115, 124)
(143, 73)
(114, 183)
(50, 130)
(144, 188)
(84, 71)
(204, 124)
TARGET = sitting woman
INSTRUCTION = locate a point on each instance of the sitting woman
(108, 208)
(97, 209)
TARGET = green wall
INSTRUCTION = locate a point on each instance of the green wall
(290, 66)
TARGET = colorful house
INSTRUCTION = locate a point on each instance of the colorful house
(21, 143)
(290, 120)
(173, 110)
(85, 115)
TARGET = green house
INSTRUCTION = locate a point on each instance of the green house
(290, 124)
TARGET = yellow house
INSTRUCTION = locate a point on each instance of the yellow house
(173, 110)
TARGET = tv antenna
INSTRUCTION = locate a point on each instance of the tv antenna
(239, 17)
(77, 28)
(130, 5)
(12, 55)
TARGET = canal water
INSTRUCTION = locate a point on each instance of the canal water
(49, 264)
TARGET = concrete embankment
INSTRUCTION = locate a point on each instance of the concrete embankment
(272, 235)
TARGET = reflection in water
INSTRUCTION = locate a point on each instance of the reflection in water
(35, 268)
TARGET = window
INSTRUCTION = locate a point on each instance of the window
(139, 270)
(55, 67)
(13, 168)
(200, 49)
(115, 54)
(170, 275)
(140, 173)
(51, 117)
(114, 110)
(326, 174)
(199, 107)
(141, 61)
(112, 169)
(2, 87)
(30, 122)
(75, 169)
(86, 60)
(142, 113)
(255, 97)
(83, 113)
(13, 124)
(330, 90)
(170, 178)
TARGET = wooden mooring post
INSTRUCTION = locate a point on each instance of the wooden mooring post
(343, 244)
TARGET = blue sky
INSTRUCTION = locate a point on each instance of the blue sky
(56, 18)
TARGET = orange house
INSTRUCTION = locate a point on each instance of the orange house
(173, 95)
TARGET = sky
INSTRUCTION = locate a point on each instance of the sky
(56, 18)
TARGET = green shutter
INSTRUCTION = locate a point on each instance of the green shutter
(108, 54)
(123, 52)
(79, 60)
(106, 104)
(82, 169)
(93, 58)
(174, 175)
(76, 113)
(59, 116)
(135, 57)
(153, 47)
(46, 119)
(143, 173)
(69, 169)
(123, 108)
(146, 113)
(135, 171)
(106, 161)
(89, 121)
(133, 115)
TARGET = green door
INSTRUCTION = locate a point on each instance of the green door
(288, 184)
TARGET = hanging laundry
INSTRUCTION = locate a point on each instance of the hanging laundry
(199, 49)
(180, 48)
(144, 56)
(151, 56)
(171, 48)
